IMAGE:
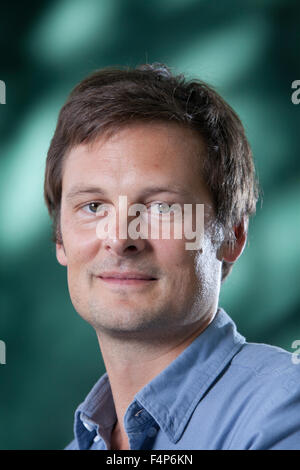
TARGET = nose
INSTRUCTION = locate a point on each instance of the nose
(118, 240)
(121, 247)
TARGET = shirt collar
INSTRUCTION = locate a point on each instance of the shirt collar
(172, 396)
(96, 413)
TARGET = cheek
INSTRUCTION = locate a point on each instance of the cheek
(208, 267)
(178, 264)
(188, 270)
(81, 248)
(81, 244)
(174, 259)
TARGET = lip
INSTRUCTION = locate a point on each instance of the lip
(126, 278)
(126, 275)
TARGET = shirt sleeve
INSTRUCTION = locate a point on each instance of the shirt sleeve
(274, 421)
(280, 430)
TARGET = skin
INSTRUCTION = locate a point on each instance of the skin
(141, 328)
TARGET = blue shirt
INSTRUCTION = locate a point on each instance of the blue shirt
(221, 392)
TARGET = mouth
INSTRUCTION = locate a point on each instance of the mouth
(126, 279)
(123, 282)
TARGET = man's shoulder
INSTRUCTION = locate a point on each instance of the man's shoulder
(269, 372)
(267, 377)
(267, 360)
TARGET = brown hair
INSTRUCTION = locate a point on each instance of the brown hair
(113, 97)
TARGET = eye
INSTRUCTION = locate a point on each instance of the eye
(160, 208)
(92, 207)
(163, 207)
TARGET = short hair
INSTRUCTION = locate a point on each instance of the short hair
(112, 98)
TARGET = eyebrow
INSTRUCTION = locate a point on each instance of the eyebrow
(82, 190)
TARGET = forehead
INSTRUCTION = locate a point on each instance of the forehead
(153, 152)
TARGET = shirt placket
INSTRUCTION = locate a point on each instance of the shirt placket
(139, 426)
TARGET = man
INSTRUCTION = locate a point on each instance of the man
(178, 374)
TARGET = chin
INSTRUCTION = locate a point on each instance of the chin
(126, 321)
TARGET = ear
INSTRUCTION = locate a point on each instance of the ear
(231, 251)
(61, 254)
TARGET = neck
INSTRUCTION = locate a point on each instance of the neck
(133, 363)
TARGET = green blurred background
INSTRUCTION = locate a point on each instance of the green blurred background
(250, 52)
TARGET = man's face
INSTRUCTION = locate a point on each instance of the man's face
(146, 163)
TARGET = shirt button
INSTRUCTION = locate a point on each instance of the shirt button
(86, 423)
(97, 438)
(88, 426)
(152, 432)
